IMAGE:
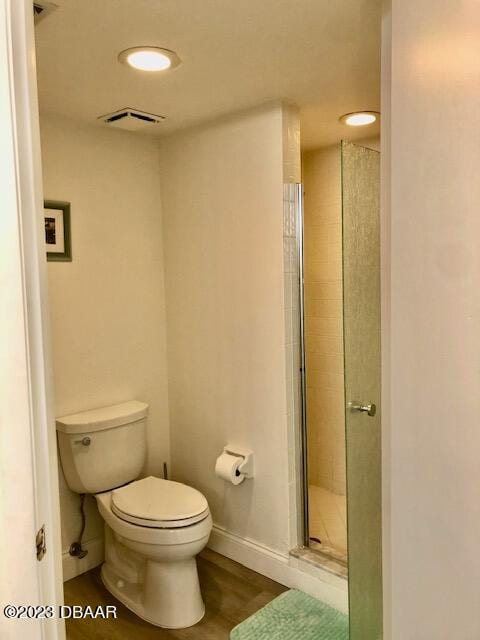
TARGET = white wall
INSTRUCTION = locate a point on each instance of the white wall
(222, 193)
(432, 341)
(107, 305)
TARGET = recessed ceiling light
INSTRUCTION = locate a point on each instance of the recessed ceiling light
(359, 118)
(149, 58)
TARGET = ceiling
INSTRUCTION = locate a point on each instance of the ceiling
(323, 55)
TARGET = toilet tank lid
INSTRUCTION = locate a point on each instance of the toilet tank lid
(104, 418)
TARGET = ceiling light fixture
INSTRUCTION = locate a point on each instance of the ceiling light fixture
(359, 118)
(149, 58)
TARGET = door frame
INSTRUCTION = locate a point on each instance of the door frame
(28, 453)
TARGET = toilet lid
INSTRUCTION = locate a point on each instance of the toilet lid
(153, 502)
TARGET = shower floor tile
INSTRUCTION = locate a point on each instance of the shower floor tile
(328, 522)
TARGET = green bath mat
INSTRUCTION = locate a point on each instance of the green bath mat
(294, 615)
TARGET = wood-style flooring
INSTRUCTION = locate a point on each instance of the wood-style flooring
(231, 593)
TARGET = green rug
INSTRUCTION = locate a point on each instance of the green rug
(294, 615)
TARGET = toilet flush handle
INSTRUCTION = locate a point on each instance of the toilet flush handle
(85, 441)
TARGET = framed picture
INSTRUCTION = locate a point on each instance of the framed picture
(58, 242)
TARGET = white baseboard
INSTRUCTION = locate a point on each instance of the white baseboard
(287, 570)
(291, 572)
(73, 567)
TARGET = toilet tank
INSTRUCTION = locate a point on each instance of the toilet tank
(103, 448)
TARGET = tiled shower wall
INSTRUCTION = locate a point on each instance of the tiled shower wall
(292, 176)
(323, 318)
(292, 348)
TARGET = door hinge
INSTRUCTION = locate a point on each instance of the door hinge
(40, 543)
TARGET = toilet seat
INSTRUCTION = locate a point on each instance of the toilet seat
(160, 504)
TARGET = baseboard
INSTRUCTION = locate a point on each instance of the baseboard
(289, 571)
(73, 567)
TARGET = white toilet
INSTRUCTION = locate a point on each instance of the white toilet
(154, 528)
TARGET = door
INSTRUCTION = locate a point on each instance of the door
(28, 467)
(361, 299)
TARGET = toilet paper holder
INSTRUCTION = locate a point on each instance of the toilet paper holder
(246, 468)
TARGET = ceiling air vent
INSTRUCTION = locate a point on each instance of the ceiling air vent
(41, 9)
(131, 119)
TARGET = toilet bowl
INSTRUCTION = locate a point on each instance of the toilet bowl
(154, 528)
(150, 562)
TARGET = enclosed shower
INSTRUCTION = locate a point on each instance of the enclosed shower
(340, 316)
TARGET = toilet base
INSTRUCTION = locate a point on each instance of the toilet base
(153, 572)
(160, 599)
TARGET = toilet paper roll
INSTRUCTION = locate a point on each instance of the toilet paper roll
(227, 468)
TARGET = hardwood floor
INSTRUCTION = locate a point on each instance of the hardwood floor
(230, 591)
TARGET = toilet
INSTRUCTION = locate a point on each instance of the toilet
(154, 528)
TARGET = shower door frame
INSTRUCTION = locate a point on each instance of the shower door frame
(300, 230)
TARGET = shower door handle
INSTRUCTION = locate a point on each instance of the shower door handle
(365, 407)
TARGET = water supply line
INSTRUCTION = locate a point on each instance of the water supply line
(76, 550)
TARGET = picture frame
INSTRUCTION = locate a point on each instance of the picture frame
(58, 242)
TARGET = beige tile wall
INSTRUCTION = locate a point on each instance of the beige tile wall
(323, 318)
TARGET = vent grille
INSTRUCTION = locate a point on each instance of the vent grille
(131, 114)
(131, 119)
(41, 9)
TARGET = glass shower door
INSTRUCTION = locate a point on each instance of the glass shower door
(361, 299)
